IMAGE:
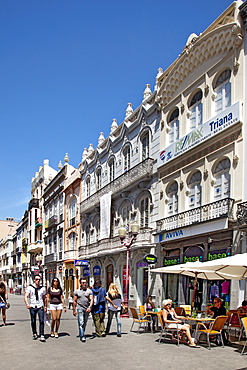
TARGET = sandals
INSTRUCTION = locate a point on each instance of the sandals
(56, 335)
(196, 346)
(52, 334)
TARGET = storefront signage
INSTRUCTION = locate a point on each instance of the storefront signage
(96, 271)
(150, 259)
(81, 263)
(214, 255)
(171, 235)
(171, 260)
(193, 254)
(212, 127)
(141, 264)
(86, 271)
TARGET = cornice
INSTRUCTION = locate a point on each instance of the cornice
(217, 42)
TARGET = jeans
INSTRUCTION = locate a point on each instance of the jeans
(41, 313)
(110, 317)
(98, 319)
(82, 317)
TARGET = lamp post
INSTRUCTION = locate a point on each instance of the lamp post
(122, 232)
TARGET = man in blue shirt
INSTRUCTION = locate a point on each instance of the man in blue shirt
(98, 309)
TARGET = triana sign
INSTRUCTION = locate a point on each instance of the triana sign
(210, 128)
(150, 259)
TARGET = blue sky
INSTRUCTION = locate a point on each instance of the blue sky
(68, 67)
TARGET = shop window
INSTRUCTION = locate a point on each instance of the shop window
(172, 194)
(222, 179)
(173, 123)
(144, 212)
(145, 146)
(126, 159)
(195, 108)
(222, 90)
(194, 185)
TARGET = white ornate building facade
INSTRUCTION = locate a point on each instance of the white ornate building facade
(119, 187)
(201, 163)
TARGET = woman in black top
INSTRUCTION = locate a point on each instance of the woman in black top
(56, 299)
(3, 300)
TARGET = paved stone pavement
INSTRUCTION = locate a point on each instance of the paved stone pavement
(132, 350)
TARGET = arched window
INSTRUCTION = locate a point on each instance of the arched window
(172, 193)
(194, 185)
(98, 179)
(195, 108)
(222, 90)
(88, 187)
(97, 229)
(111, 169)
(126, 159)
(72, 211)
(144, 212)
(145, 146)
(87, 232)
(222, 179)
(125, 214)
(173, 123)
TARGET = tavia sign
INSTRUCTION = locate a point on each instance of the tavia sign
(81, 263)
(150, 259)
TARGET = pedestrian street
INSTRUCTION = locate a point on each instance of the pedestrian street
(131, 351)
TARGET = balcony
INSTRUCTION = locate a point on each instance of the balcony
(241, 214)
(136, 174)
(211, 211)
(36, 247)
(33, 203)
(51, 222)
(50, 258)
(24, 241)
(113, 245)
(70, 255)
(18, 250)
(38, 222)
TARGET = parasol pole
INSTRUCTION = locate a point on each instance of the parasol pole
(194, 291)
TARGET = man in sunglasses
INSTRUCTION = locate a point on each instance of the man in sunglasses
(35, 300)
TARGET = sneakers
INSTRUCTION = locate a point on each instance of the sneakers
(35, 336)
(56, 335)
(42, 338)
(118, 335)
(83, 339)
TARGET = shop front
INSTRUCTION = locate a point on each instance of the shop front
(180, 288)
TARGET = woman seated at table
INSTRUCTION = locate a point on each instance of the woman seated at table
(173, 321)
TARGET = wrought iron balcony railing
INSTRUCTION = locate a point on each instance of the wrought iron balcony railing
(241, 214)
(218, 209)
(109, 245)
(137, 173)
(50, 258)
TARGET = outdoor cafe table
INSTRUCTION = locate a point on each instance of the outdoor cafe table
(154, 313)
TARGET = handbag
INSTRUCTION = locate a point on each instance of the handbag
(7, 305)
(124, 309)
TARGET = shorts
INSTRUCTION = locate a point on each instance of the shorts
(54, 307)
(2, 305)
(175, 326)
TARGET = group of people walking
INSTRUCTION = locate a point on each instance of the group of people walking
(85, 301)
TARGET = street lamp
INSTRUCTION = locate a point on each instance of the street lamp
(122, 232)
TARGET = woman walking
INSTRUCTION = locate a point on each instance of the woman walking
(3, 301)
(114, 296)
(56, 299)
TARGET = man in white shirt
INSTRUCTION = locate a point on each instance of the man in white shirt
(36, 305)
